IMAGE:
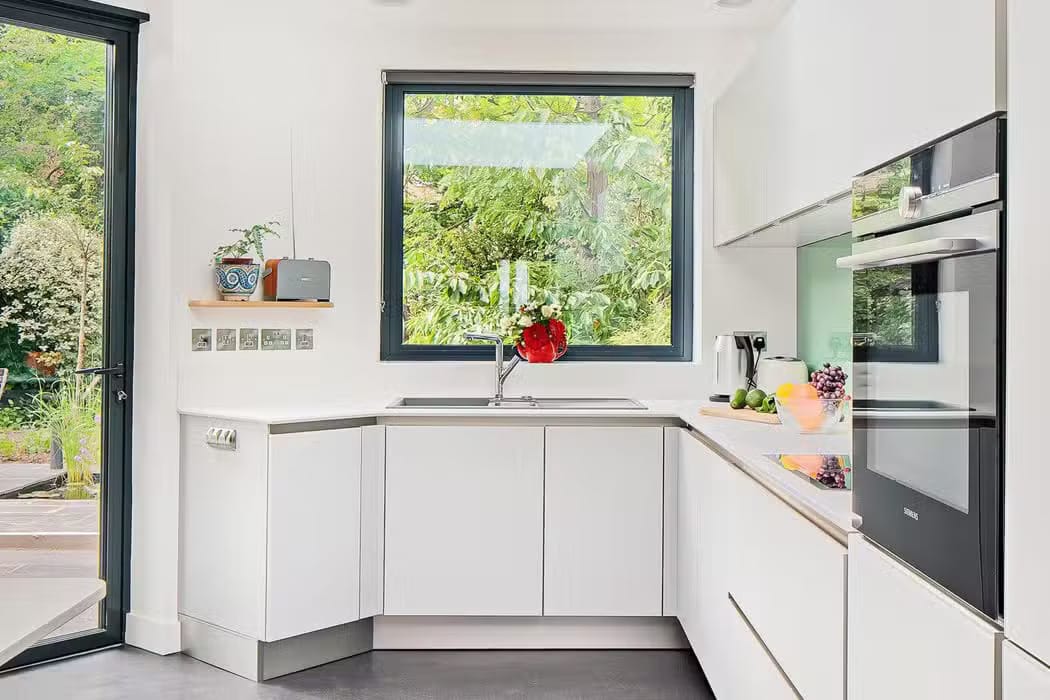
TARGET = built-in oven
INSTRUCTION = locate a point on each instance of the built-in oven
(928, 360)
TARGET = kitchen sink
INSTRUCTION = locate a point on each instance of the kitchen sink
(550, 404)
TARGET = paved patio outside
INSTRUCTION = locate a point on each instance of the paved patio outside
(14, 475)
(44, 538)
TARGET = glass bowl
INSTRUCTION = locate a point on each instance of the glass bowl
(811, 415)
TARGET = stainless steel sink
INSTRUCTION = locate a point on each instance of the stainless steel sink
(550, 404)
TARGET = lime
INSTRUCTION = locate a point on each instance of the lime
(739, 399)
(755, 397)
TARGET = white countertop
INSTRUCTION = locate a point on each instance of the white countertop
(745, 444)
(32, 608)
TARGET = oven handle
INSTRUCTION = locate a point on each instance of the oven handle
(933, 249)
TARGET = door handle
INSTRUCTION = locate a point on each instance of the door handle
(115, 371)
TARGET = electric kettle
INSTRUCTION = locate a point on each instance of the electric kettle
(736, 358)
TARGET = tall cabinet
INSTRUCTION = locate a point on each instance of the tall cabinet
(1027, 581)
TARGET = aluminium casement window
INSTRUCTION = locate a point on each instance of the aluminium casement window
(561, 188)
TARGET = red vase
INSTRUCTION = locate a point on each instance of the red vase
(543, 343)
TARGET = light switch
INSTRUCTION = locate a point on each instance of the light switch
(304, 338)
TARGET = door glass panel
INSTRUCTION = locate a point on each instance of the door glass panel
(53, 135)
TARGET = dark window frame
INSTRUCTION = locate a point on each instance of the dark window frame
(392, 345)
(118, 29)
(926, 347)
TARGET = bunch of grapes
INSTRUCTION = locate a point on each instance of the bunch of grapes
(831, 473)
(829, 381)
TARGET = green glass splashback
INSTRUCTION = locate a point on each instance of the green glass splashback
(825, 303)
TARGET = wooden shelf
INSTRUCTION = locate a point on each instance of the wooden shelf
(219, 304)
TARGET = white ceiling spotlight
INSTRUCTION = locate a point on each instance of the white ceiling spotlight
(732, 4)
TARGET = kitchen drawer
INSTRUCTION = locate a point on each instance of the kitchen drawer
(935, 646)
(789, 579)
(752, 674)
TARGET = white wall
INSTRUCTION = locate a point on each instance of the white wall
(318, 71)
(223, 84)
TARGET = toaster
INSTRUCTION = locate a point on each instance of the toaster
(296, 279)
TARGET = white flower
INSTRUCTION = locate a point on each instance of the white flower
(547, 311)
(525, 321)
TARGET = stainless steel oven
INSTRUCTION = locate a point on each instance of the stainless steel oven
(927, 265)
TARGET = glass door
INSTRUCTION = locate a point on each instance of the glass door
(66, 212)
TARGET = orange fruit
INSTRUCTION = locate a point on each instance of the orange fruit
(805, 391)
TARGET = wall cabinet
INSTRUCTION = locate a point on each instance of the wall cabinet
(898, 622)
(603, 521)
(830, 94)
(1024, 677)
(464, 520)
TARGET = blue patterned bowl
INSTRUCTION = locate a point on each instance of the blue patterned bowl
(236, 281)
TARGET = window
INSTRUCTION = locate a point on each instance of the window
(567, 189)
(895, 314)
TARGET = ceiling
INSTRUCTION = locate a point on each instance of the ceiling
(585, 14)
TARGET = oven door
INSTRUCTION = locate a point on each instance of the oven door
(926, 431)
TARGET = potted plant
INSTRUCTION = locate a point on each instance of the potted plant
(537, 332)
(236, 272)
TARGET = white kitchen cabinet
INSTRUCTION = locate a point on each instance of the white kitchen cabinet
(313, 544)
(733, 658)
(910, 640)
(750, 673)
(1027, 480)
(704, 537)
(270, 532)
(1024, 677)
(222, 527)
(603, 521)
(789, 579)
(464, 520)
(781, 140)
(690, 478)
(830, 93)
(373, 499)
(919, 70)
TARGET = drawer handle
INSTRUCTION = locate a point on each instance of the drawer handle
(762, 643)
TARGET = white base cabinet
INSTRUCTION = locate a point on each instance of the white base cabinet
(737, 542)
(464, 520)
(603, 521)
(1024, 677)
(910, 641)
(789, 579)
(313, 543)
(271, 540)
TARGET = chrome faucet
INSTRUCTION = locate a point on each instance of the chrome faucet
(502, 371)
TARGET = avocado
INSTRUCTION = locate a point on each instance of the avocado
(739, 399)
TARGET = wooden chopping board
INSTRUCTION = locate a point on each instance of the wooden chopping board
(740, 414)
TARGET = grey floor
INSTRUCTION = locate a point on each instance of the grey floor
(385, 675)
